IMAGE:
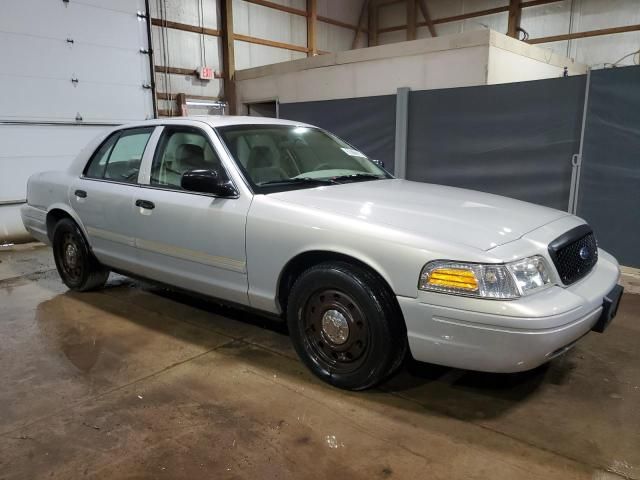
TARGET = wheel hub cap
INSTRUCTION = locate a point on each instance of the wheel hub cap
(71, 255)
(335, 327)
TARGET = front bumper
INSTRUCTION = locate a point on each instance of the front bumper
(506, 336)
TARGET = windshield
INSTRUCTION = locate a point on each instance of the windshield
(288, 156)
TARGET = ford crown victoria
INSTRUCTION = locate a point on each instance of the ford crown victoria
(287, 219)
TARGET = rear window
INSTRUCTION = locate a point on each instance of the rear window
(118, 158)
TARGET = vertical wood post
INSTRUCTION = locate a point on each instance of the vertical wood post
(312, 21)
(373, 23)
(515, 11)
(181, 102)
(427, 18)
(228, 54)
(411, 20)
(363, 13)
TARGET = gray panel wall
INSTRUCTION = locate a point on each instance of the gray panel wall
(609, 194)
(514, 139)
(367, 123)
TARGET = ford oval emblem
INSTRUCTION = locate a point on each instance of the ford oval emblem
(584, 253)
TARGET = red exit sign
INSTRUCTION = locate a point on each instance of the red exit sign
(206, 73)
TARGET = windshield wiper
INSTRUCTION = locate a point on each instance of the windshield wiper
(356, 177)
(297, 181)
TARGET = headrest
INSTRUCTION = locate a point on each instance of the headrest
(260, 157)
(190, 156)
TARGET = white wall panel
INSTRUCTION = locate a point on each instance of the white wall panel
(268, 23)
(184, 49)
(250, 55)
(64, 61)
(44, 100)
(595, 14)
(26, 150)
(189, 84)
(187, 11)
(37, 65)
(556, 18)
(332, 38)
(346, 11)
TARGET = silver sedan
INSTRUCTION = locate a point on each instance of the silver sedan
(289, 220)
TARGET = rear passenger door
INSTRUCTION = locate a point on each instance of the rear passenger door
(191, 240)
(104, 195)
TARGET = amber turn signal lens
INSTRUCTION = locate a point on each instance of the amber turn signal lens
(453, 278)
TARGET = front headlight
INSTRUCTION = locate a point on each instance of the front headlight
(499, 281)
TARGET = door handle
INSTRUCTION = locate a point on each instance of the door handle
(145, 204)
(81, 193)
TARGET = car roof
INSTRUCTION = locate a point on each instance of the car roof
(216, 121)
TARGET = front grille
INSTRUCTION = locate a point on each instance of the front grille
(574, 254)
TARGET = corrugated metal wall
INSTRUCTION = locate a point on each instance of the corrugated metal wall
(557, 18)
(190, 50)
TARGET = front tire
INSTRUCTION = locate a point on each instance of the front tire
(77, 266)
(346, 326)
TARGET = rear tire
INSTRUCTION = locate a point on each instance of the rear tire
(346, 326)
(77, 266)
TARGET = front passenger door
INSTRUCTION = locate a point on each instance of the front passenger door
(191, 240)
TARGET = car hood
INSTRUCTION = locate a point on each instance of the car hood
(479, 220)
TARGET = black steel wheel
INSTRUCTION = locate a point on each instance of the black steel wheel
(345, 325)
(336, 329)
(77, 266)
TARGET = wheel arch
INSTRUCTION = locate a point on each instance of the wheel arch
(304, 260)
(59, 211)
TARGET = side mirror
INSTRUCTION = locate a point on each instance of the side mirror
(208, 181)
(379, 163)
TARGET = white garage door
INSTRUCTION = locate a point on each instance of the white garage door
(68, 70)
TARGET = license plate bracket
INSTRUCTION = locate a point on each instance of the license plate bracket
(610, 306)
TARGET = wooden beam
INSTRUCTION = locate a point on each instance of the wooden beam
(427, 18)
(535, 3)
(228, 54)
(312, 21)
(515, 11)
(277, 6)
(412, 29)
(337, 23)
(181, 71)
(363, 13)
(465, 16)
(158, 22)
(173, 96)
(373, 24)
(174, 70)
(269, 43)
(590, 33)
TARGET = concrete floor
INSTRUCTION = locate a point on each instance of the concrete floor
(136, 382)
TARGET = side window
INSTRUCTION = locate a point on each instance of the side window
(180, 150)
(124, 161)
(119, 157)
(98, 161)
